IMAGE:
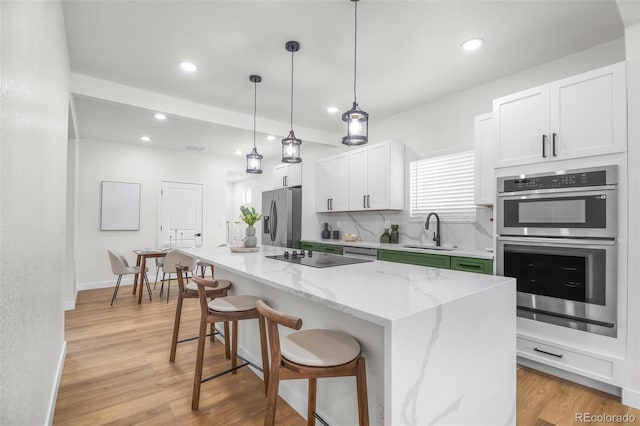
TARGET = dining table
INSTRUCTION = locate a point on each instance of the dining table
(141, 260)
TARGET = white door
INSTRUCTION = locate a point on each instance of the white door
(588, 113)
(180, 215)
(294, 174)
(324, 189)
(378, 196)
(279, 173)
(484, 155)
(339, 177)
(522, 126)
(358, 179)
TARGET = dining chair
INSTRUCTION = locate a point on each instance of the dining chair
(120, 267)
(216, 288)
(171, 260)
(310, 354)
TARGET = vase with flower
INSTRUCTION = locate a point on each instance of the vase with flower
(250, 217)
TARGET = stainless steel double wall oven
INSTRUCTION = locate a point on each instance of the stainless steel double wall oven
(557, 235)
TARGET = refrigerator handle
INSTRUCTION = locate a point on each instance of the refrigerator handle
(265, 225)
(274, 218)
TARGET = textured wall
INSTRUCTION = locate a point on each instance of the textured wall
(33, 155)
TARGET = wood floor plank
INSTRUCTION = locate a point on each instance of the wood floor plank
(117, 372)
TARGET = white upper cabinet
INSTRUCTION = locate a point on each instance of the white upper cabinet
(285, 175)
(484, 129)
(367, 178)
(332, 190)
(579, 116)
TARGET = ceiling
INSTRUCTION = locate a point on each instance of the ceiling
(408, 54)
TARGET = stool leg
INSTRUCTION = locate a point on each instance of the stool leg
(115, 291)
(265, 357)
(176, 329)
(197, 379)
(272, 397)
(212, 332)
(311, 406)
(227, 353)
(202, 270)
(234, 346)
(363, 402)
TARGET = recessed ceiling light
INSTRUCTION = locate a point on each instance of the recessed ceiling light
(145, 138)
(188, 66)
(238, 152)
(160, 116)
(472, 44)
(270, 137)
(332, 110)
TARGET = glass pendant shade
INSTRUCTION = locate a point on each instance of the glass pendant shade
(254, 162)
(291, 149)
(357, 126)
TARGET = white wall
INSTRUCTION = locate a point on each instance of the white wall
(631, 395)
(99, 160)
(33, 158)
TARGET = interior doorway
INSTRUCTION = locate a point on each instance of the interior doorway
(180, 215)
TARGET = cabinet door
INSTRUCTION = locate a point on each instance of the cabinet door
(279, 172)
(522, 127)
(323, 184)
(339, 173)
(484, 155)
(378, 185)
(294, 174)
(588, 113)
(358, 179)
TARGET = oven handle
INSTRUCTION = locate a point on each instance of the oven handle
(558, 241)
(559, 190)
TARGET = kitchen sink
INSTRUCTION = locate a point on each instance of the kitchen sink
(441, 248)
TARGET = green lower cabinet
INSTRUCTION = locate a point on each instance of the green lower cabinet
(423, 259)
(470, 264)
(328, 248)
(306, 245)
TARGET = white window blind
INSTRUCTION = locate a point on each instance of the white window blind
(445, 185)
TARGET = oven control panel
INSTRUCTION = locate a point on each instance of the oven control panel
(555, 181)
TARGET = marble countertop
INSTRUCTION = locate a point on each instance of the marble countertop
(380, 292)
(458, 251)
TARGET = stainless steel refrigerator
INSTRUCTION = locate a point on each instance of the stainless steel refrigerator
(282, 217)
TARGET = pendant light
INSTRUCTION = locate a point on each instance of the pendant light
(254, 160)
(356, 119)
(291, 144)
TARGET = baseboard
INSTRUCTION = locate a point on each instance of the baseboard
(104, 284)
(631, 397)
(56, 384)
(70, 305)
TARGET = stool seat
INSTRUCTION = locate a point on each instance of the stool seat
(233, 304)
(319, 348)
(217, 285)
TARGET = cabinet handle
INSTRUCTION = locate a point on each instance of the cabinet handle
(331, 203)
(547, 353)
(553, 144)
(328, 207)
(544, 144)
(470, 265)
(364, 201)
(368, 203)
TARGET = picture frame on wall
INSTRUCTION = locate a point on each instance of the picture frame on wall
(120, 206)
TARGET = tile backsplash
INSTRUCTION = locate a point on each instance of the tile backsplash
(369, 226)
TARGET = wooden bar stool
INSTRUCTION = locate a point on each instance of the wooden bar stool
(229, 308)
(310, 354)
(216, 288)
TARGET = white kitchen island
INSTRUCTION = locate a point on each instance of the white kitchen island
(440, 345)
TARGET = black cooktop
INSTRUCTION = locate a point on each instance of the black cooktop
(317, 260)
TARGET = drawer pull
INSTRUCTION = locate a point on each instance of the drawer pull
(470, 265)
(547, 353)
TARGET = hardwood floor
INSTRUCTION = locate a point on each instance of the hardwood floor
(117, 371)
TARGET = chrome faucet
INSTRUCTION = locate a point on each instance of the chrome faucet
(436, 235)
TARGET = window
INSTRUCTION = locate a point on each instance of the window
(246, 196)
(444, 184)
